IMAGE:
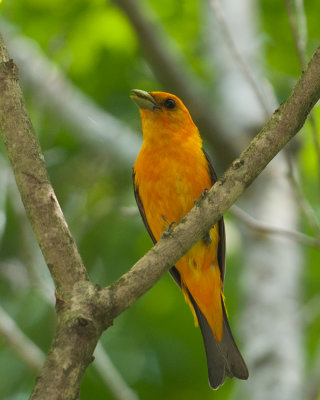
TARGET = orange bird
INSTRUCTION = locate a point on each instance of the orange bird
(171, 171)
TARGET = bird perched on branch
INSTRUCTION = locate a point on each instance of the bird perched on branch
(170, 173)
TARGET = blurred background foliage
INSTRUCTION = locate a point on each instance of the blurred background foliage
(153, 345)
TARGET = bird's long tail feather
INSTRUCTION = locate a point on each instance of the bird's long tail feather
(223, 358)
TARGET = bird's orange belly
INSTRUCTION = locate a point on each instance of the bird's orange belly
(168, 195)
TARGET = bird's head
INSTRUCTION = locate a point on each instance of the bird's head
(162, 113)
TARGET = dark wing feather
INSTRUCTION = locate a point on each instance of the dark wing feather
(141, 208)
(173, 271)
(222, 234)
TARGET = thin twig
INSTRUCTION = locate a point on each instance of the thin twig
(111, 377)
(265, 228)
(301, 199)
(28, 351)
(237, 56)
(301, 23)
(258, 226)
(300, 49)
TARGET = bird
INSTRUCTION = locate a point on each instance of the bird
(170, 173)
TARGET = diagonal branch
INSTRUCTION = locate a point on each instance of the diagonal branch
(238, 57)
(28, 351)
(84, 310)
(283, 125)
(300, 45)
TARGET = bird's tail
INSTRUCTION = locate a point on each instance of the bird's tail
(223, 357)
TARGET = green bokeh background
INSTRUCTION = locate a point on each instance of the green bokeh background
(153, 344)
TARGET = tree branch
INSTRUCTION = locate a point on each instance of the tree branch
(37, 194)
(60, 375)
(300, 45)
(111, 377)
(286, 121)
(262, 228)
(84, 311)
(238, 58)
(28, 351)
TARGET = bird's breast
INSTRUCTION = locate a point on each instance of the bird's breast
(169, 180)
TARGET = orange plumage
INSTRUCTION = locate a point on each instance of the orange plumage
(171, 171)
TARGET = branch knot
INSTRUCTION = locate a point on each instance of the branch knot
(8, 70)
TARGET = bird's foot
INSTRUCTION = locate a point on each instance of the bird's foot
(167, 233)
(201, 197)
(203, 194)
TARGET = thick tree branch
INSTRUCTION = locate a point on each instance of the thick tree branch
(276, 133)
(37, 194)
(85, 311)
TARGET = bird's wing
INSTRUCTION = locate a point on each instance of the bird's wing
(222, 234)
(173, 271)
(222, 241)
(141, 208)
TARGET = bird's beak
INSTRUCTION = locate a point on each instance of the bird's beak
(144, 99)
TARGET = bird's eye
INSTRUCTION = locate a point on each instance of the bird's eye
(169, 103)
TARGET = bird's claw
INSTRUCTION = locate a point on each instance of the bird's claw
(201, 197)
(167, 232)
(203, 194)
